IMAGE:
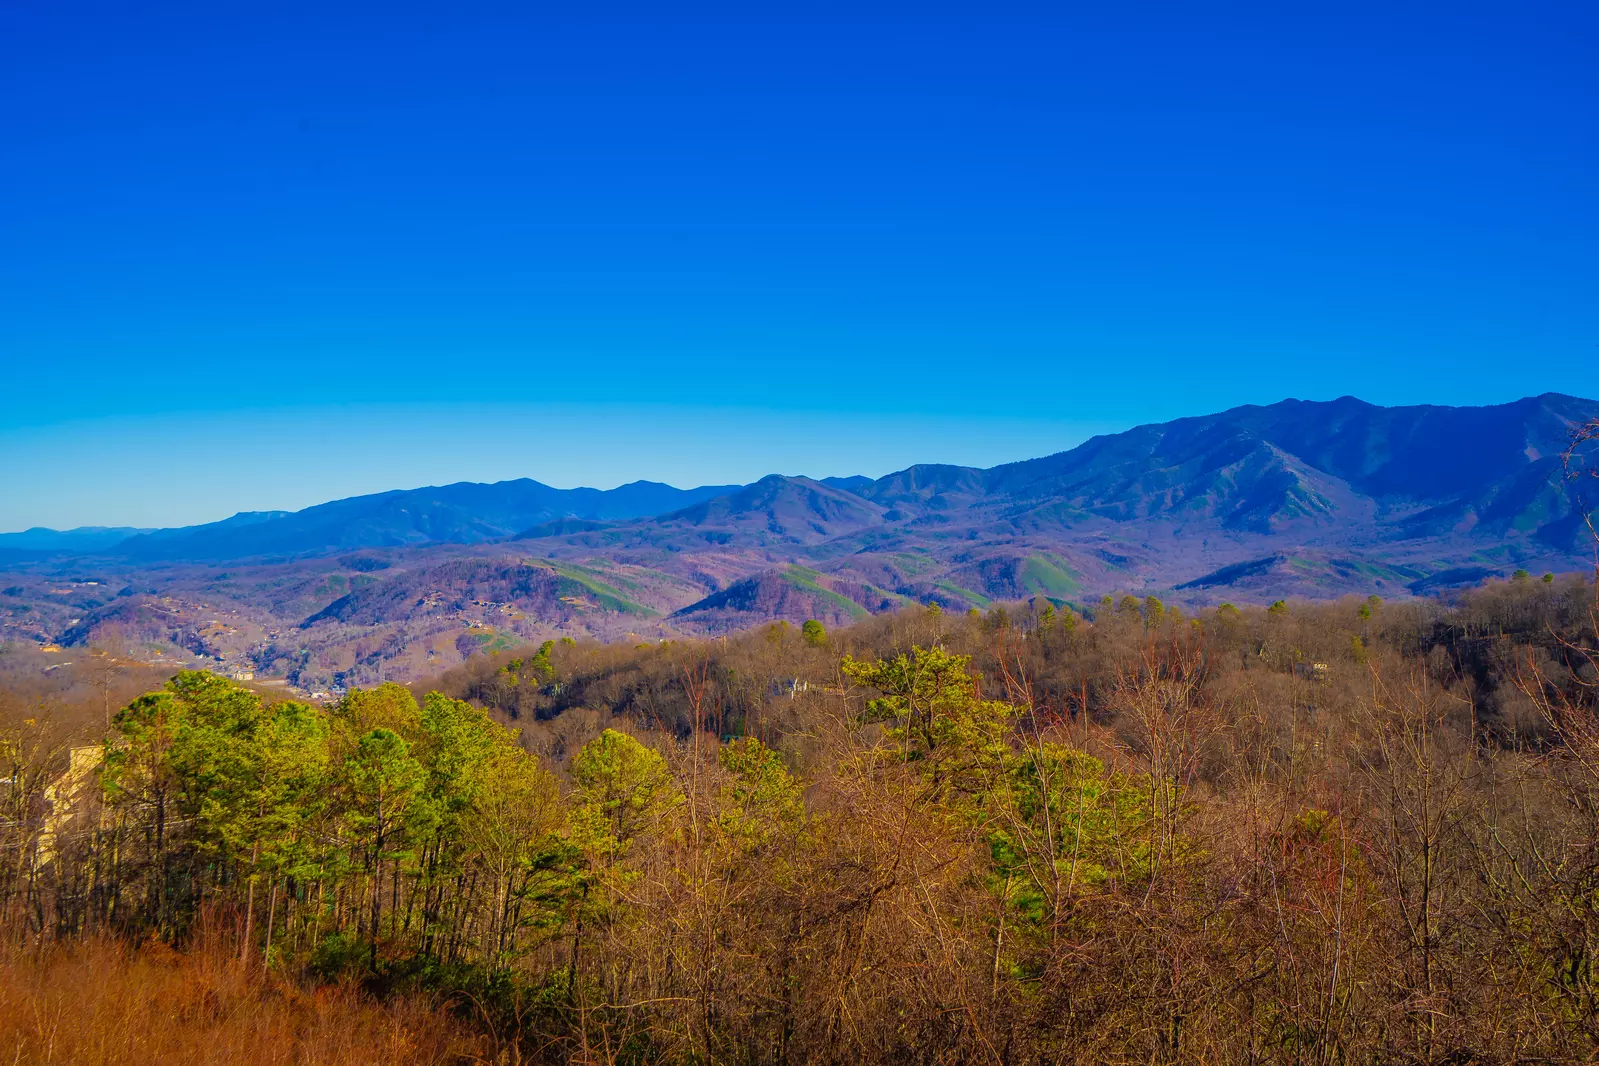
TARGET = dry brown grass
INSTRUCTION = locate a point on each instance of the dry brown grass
(103, 1002)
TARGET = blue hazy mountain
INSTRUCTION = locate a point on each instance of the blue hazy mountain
(41, 543)
(1352, 470)
(463, 513)
(1416, 471)
(82, 539)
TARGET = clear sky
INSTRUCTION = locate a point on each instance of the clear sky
(257, 261)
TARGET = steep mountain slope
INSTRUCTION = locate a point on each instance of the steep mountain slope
(1261, 468)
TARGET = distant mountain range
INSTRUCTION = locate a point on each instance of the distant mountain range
(1299, 498)
(39, 540)
(463, 513)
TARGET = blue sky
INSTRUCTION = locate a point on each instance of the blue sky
(253, 261)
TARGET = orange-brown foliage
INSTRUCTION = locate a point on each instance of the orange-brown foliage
(102, 1001)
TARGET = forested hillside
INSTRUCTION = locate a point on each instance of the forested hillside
(1359, 831)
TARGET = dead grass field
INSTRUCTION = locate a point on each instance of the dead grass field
(102, 1003)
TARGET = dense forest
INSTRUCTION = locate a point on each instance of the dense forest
(1362, 831)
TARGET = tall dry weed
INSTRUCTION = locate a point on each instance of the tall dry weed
(101, 1002)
